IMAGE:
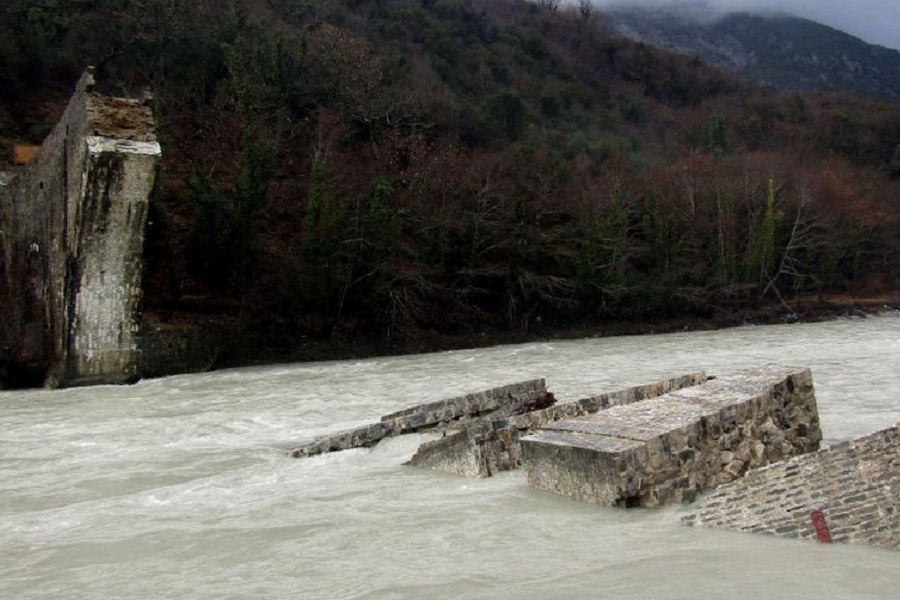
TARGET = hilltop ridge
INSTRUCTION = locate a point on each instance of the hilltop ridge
(777, 49)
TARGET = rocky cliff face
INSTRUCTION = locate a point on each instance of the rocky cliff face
(778, 50)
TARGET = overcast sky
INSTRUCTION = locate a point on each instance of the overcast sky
(875, 21)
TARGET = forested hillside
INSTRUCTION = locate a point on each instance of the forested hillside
(377, 169)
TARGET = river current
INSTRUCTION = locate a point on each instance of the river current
(178, 487)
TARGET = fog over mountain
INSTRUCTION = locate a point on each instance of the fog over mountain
(875, 21)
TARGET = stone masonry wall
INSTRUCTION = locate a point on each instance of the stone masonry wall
(33, 221)
(856, 485)
(490, 446)
(71, 242)
(669, 449)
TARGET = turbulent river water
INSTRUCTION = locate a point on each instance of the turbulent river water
(178, 487)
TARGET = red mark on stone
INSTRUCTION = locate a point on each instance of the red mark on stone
(818, 519)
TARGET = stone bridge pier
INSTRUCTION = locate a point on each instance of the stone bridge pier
(71, 246)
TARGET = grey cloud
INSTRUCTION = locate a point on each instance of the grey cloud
(875, 21)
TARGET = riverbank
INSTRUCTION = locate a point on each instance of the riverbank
(198, 342)
(805, 309)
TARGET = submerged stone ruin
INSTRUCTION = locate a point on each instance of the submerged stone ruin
(669, 449)
(484, 447)
(71, 245)
(481, 431)
(666, 442)
(470, 409)
(855, 486)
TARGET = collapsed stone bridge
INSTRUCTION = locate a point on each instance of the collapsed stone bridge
(748, 440)
(71, 246)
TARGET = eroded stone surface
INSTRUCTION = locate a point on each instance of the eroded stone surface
(71, 243)
(489, 446)
(482, 450)
(532, 421)
(495, 403)
(669, 448)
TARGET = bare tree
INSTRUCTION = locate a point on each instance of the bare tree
(801, 238)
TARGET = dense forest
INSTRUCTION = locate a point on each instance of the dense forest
(385, 170)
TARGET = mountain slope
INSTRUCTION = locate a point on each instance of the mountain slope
(787, 52)
(387, 171)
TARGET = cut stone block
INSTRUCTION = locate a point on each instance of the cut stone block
(668, 449)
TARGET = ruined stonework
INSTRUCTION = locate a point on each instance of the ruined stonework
(495, 403)
(481, 450)
(855, 484)
(668, 449)
(71, 242)
(489, 446)
(667, 442)
(481, 431)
